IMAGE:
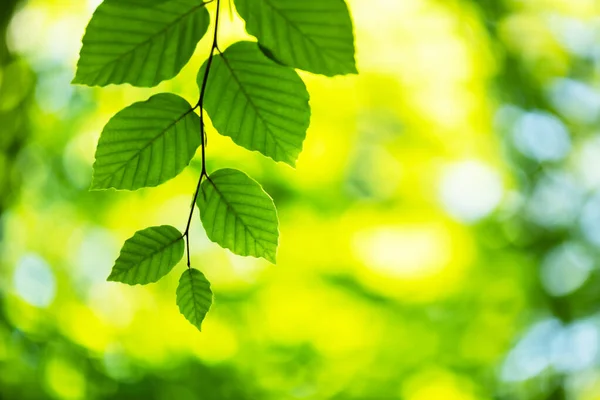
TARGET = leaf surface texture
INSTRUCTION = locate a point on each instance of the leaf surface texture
(239, 215)
(312, 35)
(146, 144)
(261, 105)
(129, 42)
(148, 256)
(194, 296)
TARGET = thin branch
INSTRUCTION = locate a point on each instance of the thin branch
(203, 138)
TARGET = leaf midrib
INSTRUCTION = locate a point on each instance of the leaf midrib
(150, 255)
(198, 320)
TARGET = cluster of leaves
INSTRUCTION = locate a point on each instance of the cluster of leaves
(251, 92)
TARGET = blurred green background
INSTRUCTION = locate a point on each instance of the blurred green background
(440, 236)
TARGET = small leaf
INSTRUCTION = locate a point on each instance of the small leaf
(127, 41)
(146, 144)
(194, 296)
(148, 256)
(239, 215)
(261, 105)
(312, 35)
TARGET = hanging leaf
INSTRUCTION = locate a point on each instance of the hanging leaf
(148, 256)
(312, 35)
(261, 105)
(146, 144)
(239, 215)
(194, 296)
(130, 42)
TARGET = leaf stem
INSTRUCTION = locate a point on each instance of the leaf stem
(203, 138)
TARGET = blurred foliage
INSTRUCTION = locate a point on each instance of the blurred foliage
(440, 235)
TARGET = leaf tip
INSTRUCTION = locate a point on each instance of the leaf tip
(76, 79)
(271, 257)
(291, 162)
(96, 186)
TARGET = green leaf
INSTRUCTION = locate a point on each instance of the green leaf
(135, 3)
(128, 42)
(146, 144)
(148, 256)
(261, 105)
(150, 2)
(194, 296)
(312, 35)
(239, 215)
(269, 54)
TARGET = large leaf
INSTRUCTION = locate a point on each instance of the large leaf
(239, 215)
(194, 296)
(312, 35)
(146, 144)
(261, 105)
(129, 42)
(148, 256)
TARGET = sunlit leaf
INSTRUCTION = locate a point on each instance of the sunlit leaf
(148, 256)
(146, 144)
(269, 54)
(194, 296)
(261, 105)
(239, 215)
(312, 35)
(136, 3)
(128, 42)
(153, 2)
